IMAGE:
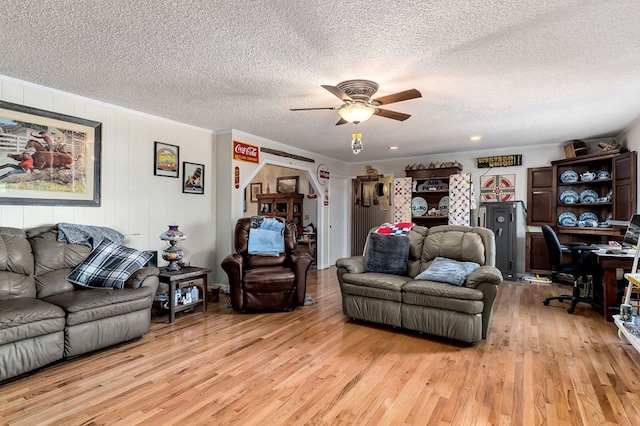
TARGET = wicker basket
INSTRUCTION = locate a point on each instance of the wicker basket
(575, 148)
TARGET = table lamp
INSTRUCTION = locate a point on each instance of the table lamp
(172, 254)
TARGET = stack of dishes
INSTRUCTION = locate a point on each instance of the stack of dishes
(569, 197)
(588, 219)
(588, 196)
(567, 219)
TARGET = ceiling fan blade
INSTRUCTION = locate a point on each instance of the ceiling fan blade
(311, 109)
(337, 92)
(400, 116)
(341, 121)
(398, 97)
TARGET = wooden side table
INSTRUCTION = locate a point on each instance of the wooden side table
(174, 278)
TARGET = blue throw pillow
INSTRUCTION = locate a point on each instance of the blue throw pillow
(387, 254)
(448, 271)
(108, 265)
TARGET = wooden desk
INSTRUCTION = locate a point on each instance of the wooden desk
(609, 264)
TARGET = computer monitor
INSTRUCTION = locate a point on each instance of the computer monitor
(633, 232)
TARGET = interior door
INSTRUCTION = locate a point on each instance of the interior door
(371, 206)
(338, 212)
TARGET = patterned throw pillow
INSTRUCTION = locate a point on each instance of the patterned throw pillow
(108, 265)
(448, 271)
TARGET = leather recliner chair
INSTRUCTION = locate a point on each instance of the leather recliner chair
(266, 283)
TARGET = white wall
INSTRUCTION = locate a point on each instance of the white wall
(232, 197)
(631, 139)
(133, 200)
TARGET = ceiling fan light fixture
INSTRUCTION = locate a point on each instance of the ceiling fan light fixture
(356, 112)
(356, 143)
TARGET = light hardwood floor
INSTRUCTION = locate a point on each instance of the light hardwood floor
(539, 366)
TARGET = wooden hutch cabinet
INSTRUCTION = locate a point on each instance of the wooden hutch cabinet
(551, 196)
(431, 185)
(288, 206)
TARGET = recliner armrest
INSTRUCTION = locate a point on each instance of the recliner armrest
(484, 274)
(353, 265)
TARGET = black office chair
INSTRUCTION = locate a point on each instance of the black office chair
(578, 270)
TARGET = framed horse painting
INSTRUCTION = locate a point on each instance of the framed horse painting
(48, 158)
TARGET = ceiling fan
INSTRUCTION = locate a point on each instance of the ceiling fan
(357, 103)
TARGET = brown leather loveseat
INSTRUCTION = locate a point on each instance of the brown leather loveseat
(44, 318)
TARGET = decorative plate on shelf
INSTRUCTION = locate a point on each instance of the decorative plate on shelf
(568, 176)
(443, 205)
(419, 206)
(603, 174)
(567, 219)
(589, 196)
(588, 216)
(569, 197)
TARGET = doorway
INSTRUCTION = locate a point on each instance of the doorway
(265, 180)
(371, 206)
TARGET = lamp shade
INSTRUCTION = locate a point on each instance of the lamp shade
(356, 112)
(173, 234)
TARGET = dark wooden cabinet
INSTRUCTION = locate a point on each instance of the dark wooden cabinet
(614, 199)
(431, 185)
(288, 206)
(541, 198)
(624, 188)
(537, 260)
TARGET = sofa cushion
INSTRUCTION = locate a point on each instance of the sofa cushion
(376, 285)
(448, 271)
(54, 282)
(387, 254)
(87, 305)
(50, 254)
(454, 242)
(108, 265)
(443, 296)
(26, 318)
(16, 264)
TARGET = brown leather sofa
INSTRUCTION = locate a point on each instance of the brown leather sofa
(456, 312)
(266, 283)
(44, 318)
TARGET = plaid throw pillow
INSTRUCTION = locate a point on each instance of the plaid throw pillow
(108, 265)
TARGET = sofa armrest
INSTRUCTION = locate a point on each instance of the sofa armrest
(352, 265)
(143, 277)
(484, 274)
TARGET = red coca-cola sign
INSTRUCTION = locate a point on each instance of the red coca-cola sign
(245, 152)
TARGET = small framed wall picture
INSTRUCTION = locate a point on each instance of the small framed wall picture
(287, 184)
(166, 160)
(192, 178)
(256, 188)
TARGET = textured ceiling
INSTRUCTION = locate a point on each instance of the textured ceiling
(516, 72)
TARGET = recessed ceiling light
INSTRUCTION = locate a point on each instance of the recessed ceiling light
(393, 147)
(475, 138)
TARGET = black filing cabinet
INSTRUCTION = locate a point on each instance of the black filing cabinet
(501, 219)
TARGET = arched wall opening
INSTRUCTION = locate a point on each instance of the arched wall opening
(265, 176)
